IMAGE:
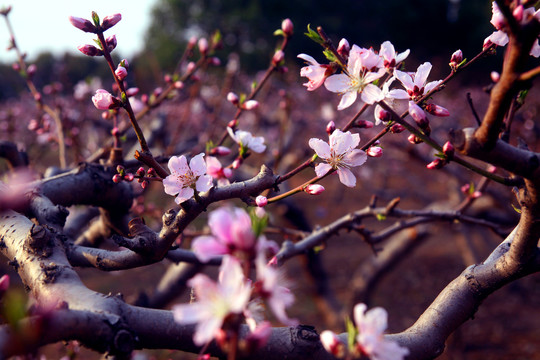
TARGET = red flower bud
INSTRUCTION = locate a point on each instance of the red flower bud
(83, 24)
(90, 50)
(436, 164)
(330, 127)
(287, 27)
(110, 21)
(437, 110)
(314, 189)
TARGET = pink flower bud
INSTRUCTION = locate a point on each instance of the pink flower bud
(178, 84)
(236, 163)
(15, 66)
(190, 67)
(333, 344)
(144, 184)
(436, 164)
(287, 27)
(232, 98)
(132, 92)
(314, 189)
(111, 43)
(456, 59)
(31, 70)
(466, 189)
(232, 124)
(140, 171)
(418, 114)
(382, 114)
(83, 24)
(437, 110)
(90, 50)
(220, 150)
(115, 131)
(103, 100)
(414, 140)
(117, 178)
(278, 57)
(495, 76)
(448, 149)
(518, 13)
(121, 72)
(124, 63)
(375, 151)
(250, 105)
(4, 282)
(167, 78)
(110, 21)
(364, 124)
(343, 48)
(214, 61)
(203, 46)
(261, 201)
(397, 128)
(129, 177)
(330, 127)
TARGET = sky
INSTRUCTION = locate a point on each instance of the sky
(43, 25)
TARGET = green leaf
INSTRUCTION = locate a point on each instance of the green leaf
(279, 32)
(258, 224)
(380, 217)
(521, 96)
(95, 18)
(209, 146)
(351, 333)
(329, 55)
(313, 35)
(516, 209)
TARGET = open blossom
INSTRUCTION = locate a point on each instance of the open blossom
(370, 339)
(215, 301)
(315, 72)
(389, 96)
(391, 58)
(184, 179)
(339, 154)
(231, 234)
(217, 171)
(358, 79)
(247, 141)
(415, 84)
(271, 286)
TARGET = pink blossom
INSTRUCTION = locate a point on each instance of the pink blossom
(217, 171)
(215, 301)
(82, 24)
(340, 154)
(390, 97)
(315, 72)
(220, 150)
(358, 79)
(370, 339)
(185, 180)
(4, 282)
(247, 141)
(391, 58)
(231, 234)
(415, 84)
(110, 20)
(103, 100)
(271, 286)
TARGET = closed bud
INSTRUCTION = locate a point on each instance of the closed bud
(90, 50)
(167, 78)
(414, 140)
(333, 344)
(83, 24)
(436, 164)
(375, 151)
(132, 92)
(5, 10)
(344, 48)
(495, 76)
(250, 105)
(103, 100)
(178, 84)
(382, 114)
(456, 59)
(151, 172)
(144, 184)
(220, 151)
(191, 42)
(117, 178)
(190, 67)
(111, 43)
(330, 127)
(261, 201)
(314, 189)
(31, 70)
(110, 21)
(232, 98)
(237, 162)
(129, 177)
(121, 73)
(437, 110)
(232, 124)
(15, 66)
(363, 124)
(278, 58)
(287, 27)
(448, 150)
(397, 128)
(418, 115)
(203, 46)
(214, 61)
(4, 283)
(124, 63)
(140, 172)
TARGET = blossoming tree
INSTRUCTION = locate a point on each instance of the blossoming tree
(244, 311)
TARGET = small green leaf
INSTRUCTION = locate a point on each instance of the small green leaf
(279, 32)
(258, 224)
(516, 209)
(209, 146)
(380, 217)
(313, 35)
(95, 18)
(351, 333)
(329, 55)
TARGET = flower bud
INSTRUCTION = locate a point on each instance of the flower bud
(103, 100)
(363, 124)
(375, 151)
(83, 24)
(456, 59)
(214, 61)
(232, 124)
(278, 58)
(144, 184)
(330, 127)
(121, 72)
(414, 140)
(140, 171)
(287, 27)
(31, 70)
(397, 128)
(495, 76)
(436, 164)
(203, 46)
(237, 162)
(16, 66)
(418, 115)
(90, 50)
(314, 189)
(178, 85)
(382, 114)
(132, 91)
(518, 13)
(117, 178)
(250, 105)
(261, 201)
(437, 110)
(110, 21)
(333, 344)
(190, 67)
(111, 43)
(4, 283)
(448, 150)
(343, 48)
(129, 177)
(232, 98)
(220, 150)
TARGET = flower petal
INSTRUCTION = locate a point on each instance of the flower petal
(372, 94)
(207, 247)
(183, 195)
(405, 79)
(356, 157)
(346, 177)
(338, 83)
(347, 99)
(198, 165)
(422, 73)
(178, 164)
(204, 183)
(322, 169)
(321, 148)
